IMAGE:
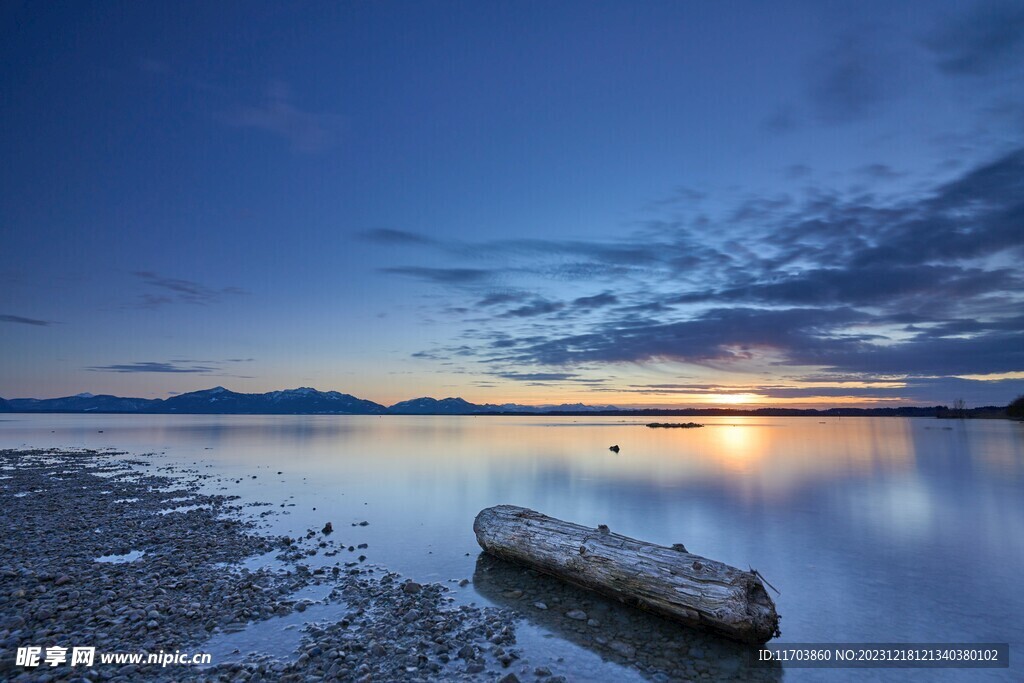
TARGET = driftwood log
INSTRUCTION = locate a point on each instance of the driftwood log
(668, 581)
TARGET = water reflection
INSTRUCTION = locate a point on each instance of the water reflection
(655, 648)
(872, 528)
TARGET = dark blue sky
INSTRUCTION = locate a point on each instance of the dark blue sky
(632, 203)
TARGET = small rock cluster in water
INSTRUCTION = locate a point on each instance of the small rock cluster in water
(398, 631)
(674, 425)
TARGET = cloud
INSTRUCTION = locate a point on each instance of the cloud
(7, 318)
(994, 352)
(596, 301)
(870, 285)
(450, 276)
(681, 196)
(879, 172)
(986, 39)
(534, 308)
(275, 113)
(537, 376)
(865, 285)
(496, 298)
(977, 215)
(825, 338)
(568, 260)
(783, 120)
(924, 390)
(177, 365)
(183, 291)
(150, 366)
(394, 237)
(853, 78)
(715, 337)
(305, 131)
(797, 171)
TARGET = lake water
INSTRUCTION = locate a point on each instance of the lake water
(871, 529)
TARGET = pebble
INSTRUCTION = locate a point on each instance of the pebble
(178, 593)
(624, 649)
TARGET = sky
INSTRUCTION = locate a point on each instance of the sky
(649, 204)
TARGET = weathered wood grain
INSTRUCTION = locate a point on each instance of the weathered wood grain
(667, 581)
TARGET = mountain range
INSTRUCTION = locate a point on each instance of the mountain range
(307, 401)
(301, 401)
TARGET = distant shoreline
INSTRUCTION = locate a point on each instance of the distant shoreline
(309, 401)
(940, 412)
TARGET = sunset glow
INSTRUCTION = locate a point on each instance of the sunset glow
(608, 207)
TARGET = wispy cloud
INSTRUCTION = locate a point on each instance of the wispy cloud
(21, 320)
(441, 275)
(498, 298)
(987, 38)
(537, 376)
(596, 301)
(855, 76)
(175, 290)
(391, 236)
(179, 365)
(534, 308)
(278, 114)
(879, 172)
(863, 285)
(153, 366)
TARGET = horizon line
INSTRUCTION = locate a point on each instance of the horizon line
(749, 406)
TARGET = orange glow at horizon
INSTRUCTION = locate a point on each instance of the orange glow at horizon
(669, 401)
(739, 395)
(734, 399)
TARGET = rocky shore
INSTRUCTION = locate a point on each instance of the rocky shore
(128, 555)
(96, 553)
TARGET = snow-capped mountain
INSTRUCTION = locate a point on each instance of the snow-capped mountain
(300, 401)
(291, 401)
(432, 406)
(104, 403)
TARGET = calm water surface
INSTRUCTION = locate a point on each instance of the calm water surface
(872, 529)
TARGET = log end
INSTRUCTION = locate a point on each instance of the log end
(761, 613)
